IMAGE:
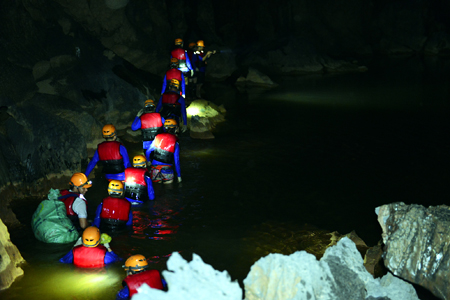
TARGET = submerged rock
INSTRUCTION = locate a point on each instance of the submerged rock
(417, 243)
(256, 78)
(339, 274)
(203, 116)
(10, 258)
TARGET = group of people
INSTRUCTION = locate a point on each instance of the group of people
(131, 183)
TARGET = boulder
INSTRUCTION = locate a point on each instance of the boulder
(256, 78)
(417, 243)
(339, 274)
(192, 280)
(203, 116)
(10, 258)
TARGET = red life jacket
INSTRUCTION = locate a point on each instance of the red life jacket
(89, 257)
(150, 277)
(164, 147)
(115, 209)
(151, 120)
(170, 98)
(68, 198)
(174, 74)
(109, 150)
(179, 53)
(135, 175)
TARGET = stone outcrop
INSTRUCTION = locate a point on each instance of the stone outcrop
(339, 274)
(10, 259)
(256, 78)
(417, 241)
(203, 116)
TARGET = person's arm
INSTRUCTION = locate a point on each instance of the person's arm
(183, 86)
(97, 219)
(188, 62)
(164, 85)
(149, 151)
(136, 124)
(83, 223)
(163, 121)
(68, 258)
(159, 105)
(79, 207)
(183, 110)
(130, 218)
(126, 159)
(92, 164)
(111, 257)
(150, 190)
(123, 294)
(176, 156)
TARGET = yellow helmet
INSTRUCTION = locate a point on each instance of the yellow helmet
(139, 161)
(174, 62)
(200, 43)
(136, 263)
(109, 131)
(91, 236)
(149, 103)
(178, 42)
(80, 180)
(174, 83)
(170, 123)
(115, 187)
(192, 45)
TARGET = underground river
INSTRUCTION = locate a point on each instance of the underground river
(315, 155)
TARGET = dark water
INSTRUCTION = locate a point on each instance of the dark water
(315, 155)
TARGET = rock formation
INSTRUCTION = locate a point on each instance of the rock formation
(10, 258)
(339, 274)
(203, 116)
(417, 241)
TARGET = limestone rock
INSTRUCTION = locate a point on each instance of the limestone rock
(192, 280)
(339, 274)
(256, 78)
(417, 241)
(10, 258)
(203, 116)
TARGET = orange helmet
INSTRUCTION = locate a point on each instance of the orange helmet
(200, 43)
(136, 263)
(109, 131)
(174, 62)
(80, 180)
(115, 187)
(174, 83)
(192, 45)
(178, 42)
(139, 161)
(170, 123)
(91, 236)
(149, 103)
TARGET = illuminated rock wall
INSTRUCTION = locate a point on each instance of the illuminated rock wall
(9, 259)
(417, 243)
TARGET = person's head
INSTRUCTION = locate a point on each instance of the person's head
(109, 132)
(200, 45)
(171, 126)
(174, 63)
(174, 85)
(91, 236)
(179, 43)
(149, 105)
(115, 188)
(139, 161)
(135, 264)
(192, 46)
(79, 183)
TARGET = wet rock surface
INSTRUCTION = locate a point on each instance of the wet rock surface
(10, 259)
(417, 243)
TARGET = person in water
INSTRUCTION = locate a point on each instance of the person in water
(138, 183)
(90, 254)
(200, 61)
(114, 212)
(166, 154)
(74, 200)
(172, 105)
(174, 73)
(149, 122)
(138, 273)
(111, 154)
